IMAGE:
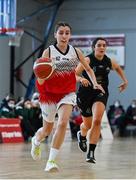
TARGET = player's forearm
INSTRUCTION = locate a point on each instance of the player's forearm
(122, 74)
(78, 78)
(92, 76)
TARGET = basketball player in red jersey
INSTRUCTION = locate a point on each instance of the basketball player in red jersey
(57, 94)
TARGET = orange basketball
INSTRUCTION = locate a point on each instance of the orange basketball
(43, 68)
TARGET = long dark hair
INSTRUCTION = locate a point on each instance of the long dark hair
(97, 39)
(61, 24)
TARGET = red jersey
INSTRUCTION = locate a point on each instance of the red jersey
(63, 81)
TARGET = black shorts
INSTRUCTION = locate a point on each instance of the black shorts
(86, 99)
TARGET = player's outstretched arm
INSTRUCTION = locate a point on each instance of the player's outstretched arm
(79, 71)
(89, 70)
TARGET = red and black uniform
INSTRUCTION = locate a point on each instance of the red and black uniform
(63, 81)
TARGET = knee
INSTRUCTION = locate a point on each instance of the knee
(97, 122)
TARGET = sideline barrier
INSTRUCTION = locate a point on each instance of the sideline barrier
(106, 132)
(10, 130)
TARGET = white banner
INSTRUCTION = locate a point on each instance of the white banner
(106, 132)
(115, 45)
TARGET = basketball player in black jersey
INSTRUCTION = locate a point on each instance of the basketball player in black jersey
(92, 102)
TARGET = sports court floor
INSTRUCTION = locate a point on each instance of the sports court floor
(116, 159)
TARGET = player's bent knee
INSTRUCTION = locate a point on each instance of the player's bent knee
(97, 122)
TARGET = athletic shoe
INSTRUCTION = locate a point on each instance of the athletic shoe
(35, 150)
(51, 166)
(90, 158)
(81, 142)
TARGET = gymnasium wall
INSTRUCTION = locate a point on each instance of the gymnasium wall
(4, 67)
(86, 17)
(107, 17)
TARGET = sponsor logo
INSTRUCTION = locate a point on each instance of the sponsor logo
(11, 134)
(9, 125)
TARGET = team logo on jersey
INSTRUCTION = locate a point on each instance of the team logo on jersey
(58, 58)
(101, 66)
(100, 95)
(107, 69)
(65, 59)
(88, 110)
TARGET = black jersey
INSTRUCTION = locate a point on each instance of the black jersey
(87, 96)
(101, 70)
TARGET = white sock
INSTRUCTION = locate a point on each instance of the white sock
(53, 153)
(37, 143)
